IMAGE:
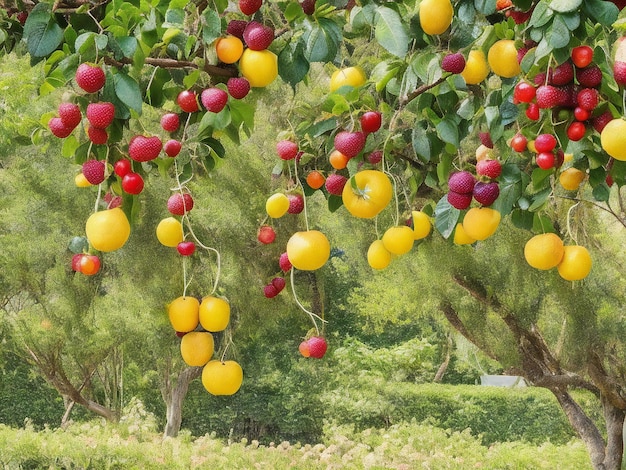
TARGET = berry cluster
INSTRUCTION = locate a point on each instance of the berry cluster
(463, 186)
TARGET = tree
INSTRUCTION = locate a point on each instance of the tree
(443, 75)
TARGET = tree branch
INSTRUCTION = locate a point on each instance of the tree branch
(421, 89)
(214, 70)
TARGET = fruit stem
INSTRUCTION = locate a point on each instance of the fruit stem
(624, 103)
(299, 183)
(228, 343)
(569, 228)
(312, 315)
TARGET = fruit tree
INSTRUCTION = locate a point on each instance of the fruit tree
(463, 115)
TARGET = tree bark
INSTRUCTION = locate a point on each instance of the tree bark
(174, 397)
(444, 365)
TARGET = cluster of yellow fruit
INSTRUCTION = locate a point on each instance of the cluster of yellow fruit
(479, 223)
(501, 59)
(259, 67)
(546, 251)
(186, 313)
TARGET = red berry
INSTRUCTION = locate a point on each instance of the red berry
(602, 120)
(519, 143)
(270, 291)
(486, 193)
(76, 261)
(582, 56)
(453, 63)
(334, 184)
(562, 74)
(459, 200)
(122, 167)
(375, 157)
(186, 248)
(90, 78)
(588, 98)
(317, 347)
(172, 148)
(188, 101)
(250, 7)
(180, 203)
(489, 168)
(532, 111)
(278, 283)
(94, 171)
(350, 143)
(308, 6)
(371, 121)
(236, 28)
(590, 77)
(619, 72)
(170, 122)
(284, 263)
(238, 87)
(545, 143)
(214, 99)
(304, 345)
(266, 235)
(545, 160)
(296, 203)
(581, 114)
(257, 36)
(524, 92)
(144, 149)
(576, 131)
(59, 129)
(286, 149)
(89, 265)
(101, 114)
(461, 182)
(485, 139)
(549, 96)
(70, 115)
(97, 136)
(132, 183)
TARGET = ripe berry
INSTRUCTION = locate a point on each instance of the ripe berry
(619, 72)
(453, 63)
(524, 92)
(186, 248)
(172, 147)
(582, 56)
(545, 143)
(308, 6)
(286, 149)
(532, 111)
(238, 87)
(303, 348)
(296, 203)
(188, 101)
(180, 203)
(375, 157)
(266, 235)
(144, 149)
(587, 98)
(519, 143)
(250, 7)
(278, 283)
(334, 184)
(599, 122)
(576, 131)
(236, 28)
(581, 114)
(519, 16)
(94, 171)
(132, 183)
(489, 168)
(485, 139)
(101, 114)
(371, 121)
(284, 263)
(562, 74)
(270, 291)
(90, 78)
(170, 122)
(214, 99)
(545, 160)
(70, 114)
(257, 36)
(317, 347)
(590, 77)
(59, 129)
(486, 193)
(549, 96)
(459, 200)
(350, 143)
(89, 265)
(461, 182)
(122, 167)
(97, 136)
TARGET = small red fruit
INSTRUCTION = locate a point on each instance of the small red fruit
(286, 149)
(489, 168)
(279, 283)
(266, 235)
(94, 171)
(214, 99)
(170, 122)
(270, 291)
(296, 203)
(180, 203)
(581, 114)
(371, 121)
(238, 87)
(334, 184)
(459, 200)
(90, 78)
(172, 148)
(304, 349)
(453, 63)
(76, 262)
(317, 347)
(89, 265)
(545, 160)
(188, 101)
(545, 143)
(524, 92)
(70, 114)
(122, 167)
(132, 183)
(461, 182)
(144, 149)
(97, 136)
(350, 143)
(257, 36)
(59, 129)
(486, 193)
(582, 56)
(375, 157)
(284, 263)
(250, 7)
(576, 131)
(186, 248)
(519, 142)
(100, 114)
(532, 111)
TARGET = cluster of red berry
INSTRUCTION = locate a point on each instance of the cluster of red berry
(463, 186)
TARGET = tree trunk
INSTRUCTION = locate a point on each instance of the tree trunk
(174, 398)
(444, 365)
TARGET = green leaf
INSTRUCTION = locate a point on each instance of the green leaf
(128, 91)
(542, 224)
(605, 13)
(446, 217)
(522, 219)
(486, 7)
(334, 202)
(217, 121)
(558, 35)
(540, 199)
(70, 144)
(448, 130)
(322, 41)
(41, 31)
(602, 192)
(292, 64)
(322, 127)
(541, 15)
(563, 6)
(421, 144)
(211, 27)
(540, 178)
(391, 31)
(78, 245)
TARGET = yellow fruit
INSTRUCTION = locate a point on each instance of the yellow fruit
(277, 205)
(377, 255)
(531, 146)
(398, 240)
(196, 348)
(421, 225)
(372, 193)
(476, 68)
(481, 222)
(460, 237)
(308, 250)
(170, 231)
(544, 251)
(229, 49)
(571, 178)
(483, 153)
(338, 160)
(435, 16)
(80, 181)
(183, 313)
(222, 378)
(107, 230)
(576, 263)
(502, 58)
(613, 139)
(259, 67)
(214, 313)
(568, 157)
(350, 76)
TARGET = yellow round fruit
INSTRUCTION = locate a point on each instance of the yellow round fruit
(544, 251)
(222, 378)
(571, 178)
(502, 58)
(435, 16)
(170, 232)
(183, 313)
(476, 68)
(371, 195)
(421, 225)
(107, 230)
(308, 250)
(398, 240)
(81, 182)
(460, 237)
(480, 223)
(259, 67)
(214, 313)
(196, 348)
(378, 257)
(277, 205)
(613, 139)
(350, 76)
(576, 263)
(229, 49)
